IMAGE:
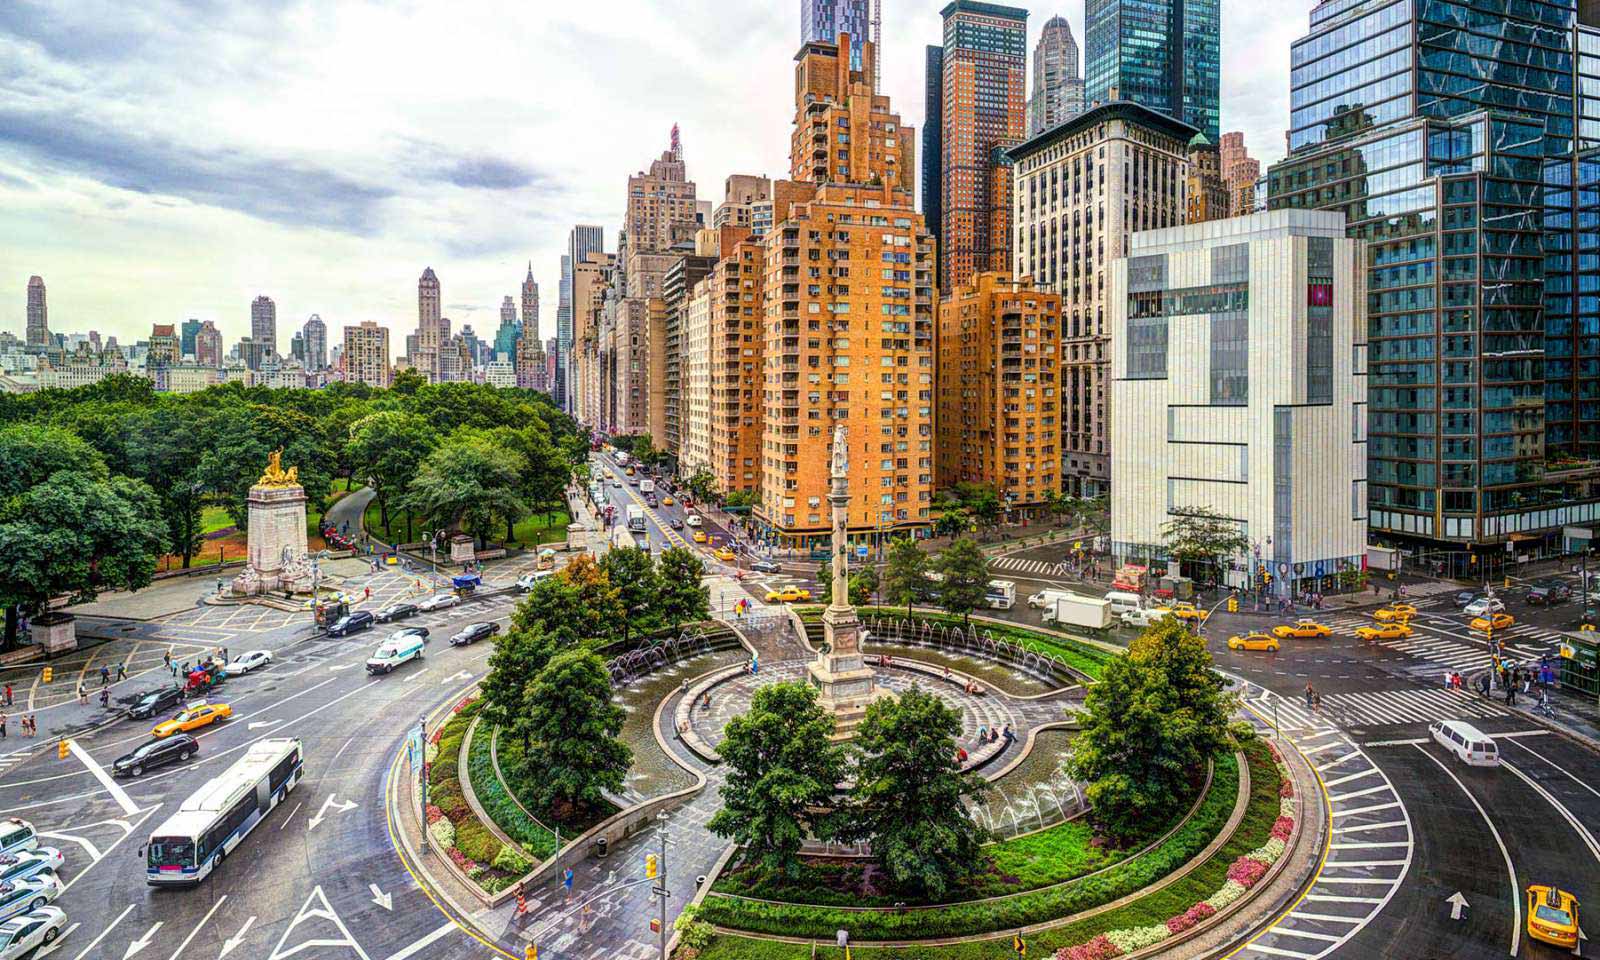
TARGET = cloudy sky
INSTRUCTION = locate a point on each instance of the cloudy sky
(175, 158)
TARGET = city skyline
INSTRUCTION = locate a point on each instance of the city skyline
(200, 236)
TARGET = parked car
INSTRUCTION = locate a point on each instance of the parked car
(156, 701)
(25, 935)
(156, 753)
(395, 611)
(766, 566)
(473, 632)
(19, 866)
(1465, 597)
(246, 662)
(26, 896)
(351, 623)
(439, 601)
(528, 581)
(1548, 594)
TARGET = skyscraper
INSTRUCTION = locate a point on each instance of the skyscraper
(1161, 54)
(983, 113)
(208, 345)
(1478, 215)
(581, 242)
(530, 304)
(933, 144)
(366, 354)
(264, 323)
(825, 19)
(1240, 171)
(190, 328)
(1057, 86)
(38, 314)
(430, 327)
(314, 342)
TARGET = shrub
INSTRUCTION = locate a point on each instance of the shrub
(1246, 871)
(462, 861)
(442, 834)
(1099, 948)
(1243, 731)
(693, 934)
(451, 803)
(1190, 917)
(446, 769)
(1230, 892)
(1283, 827)
(475, 840)
(1268, 852)
(511, 860)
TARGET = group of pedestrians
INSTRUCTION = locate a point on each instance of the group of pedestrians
(1313, 698)
(29, 722)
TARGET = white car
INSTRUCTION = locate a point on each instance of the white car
(1483, 606)
(246, 662)
(20, 866)
(527, 581)
(23, 896)
(22, 936)
(1144, 616)
(439, 601)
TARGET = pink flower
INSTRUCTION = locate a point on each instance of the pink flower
(1097, 949)
(1190, 917)
(1287, 790)
(434, 814)
(461, 860)
(1246, 871)
(1282, 828)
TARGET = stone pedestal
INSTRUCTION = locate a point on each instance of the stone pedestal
(461, 549)
(277, 542)
(56, 635)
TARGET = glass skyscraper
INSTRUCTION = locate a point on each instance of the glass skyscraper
(1445, 133)
(1161, 54)
(824, 20)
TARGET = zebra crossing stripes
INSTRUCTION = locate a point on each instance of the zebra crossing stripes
(1378, 708)
(1040, 568)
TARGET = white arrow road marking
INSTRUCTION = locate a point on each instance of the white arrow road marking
(415, 676)
(203, 921)
(90, 848)
(263, 723)
(142, 942)
(103, 933)
(1457, 903)
(111, 786)
(233, 942)
(330, 802)
(423, 943)
(52, 947)
(325, 911)
(382, 899)
(340, 666)
(463, 675)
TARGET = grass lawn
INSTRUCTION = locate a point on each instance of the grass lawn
(214, 518)
(531, 531)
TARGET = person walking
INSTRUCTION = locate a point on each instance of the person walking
(1483, 685)
(105, 674)
(1511, 693)
(122, 671)
(2, 726)
(1310, 694)
(83, 694)
(8, 695)
(105, 696)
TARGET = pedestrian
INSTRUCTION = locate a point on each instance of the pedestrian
(1316, 701)
(219, 585)
(173, 666)
(1483, 685)
(1511, 694)
(105, 696)
(2, 726)
(105, 674)
(122, 674)
(83, 694)
(30, 724)
(224, 654)
(1309, 694)
(166, 658)
(8, 695)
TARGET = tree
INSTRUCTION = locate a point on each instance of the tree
(905, 574)
(966, 577)
(703, 485)
(1158, 714)
(952, 523)
(467, 483)
(1200, 535)
(571, 719)
(158, 447)
(30, 454)
(684, 597)
(632, 574)
(863, 584)
(782, 767)
(575, 607)
(239, 440)
(385, 449)
(981, 501)
(519, 654)
(909, 795)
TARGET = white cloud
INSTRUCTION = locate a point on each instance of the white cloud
(175, 159)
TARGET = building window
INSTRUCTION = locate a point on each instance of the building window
(1230, 359)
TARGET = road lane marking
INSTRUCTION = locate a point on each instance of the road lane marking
(1330, 917)
(93, 851)
(104, 933)
(290, 816)
(1552, 763)
(1358, 827)
(422, 943)
(1358, 810)
(1511, 871)
(203, 921)
(1357, 793)
(1561, 808)
(113, 787)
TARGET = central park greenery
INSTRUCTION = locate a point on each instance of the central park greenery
(1152, 726)
(97, 483)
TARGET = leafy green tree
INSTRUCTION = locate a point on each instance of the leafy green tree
(703, 485)
(952, 523)
(1199, 536)
(909, 795)
(684, 597)
(782, 768)
(467, 483)
(239, 440)
(1158, 714)
(632, 573)
(519, 654)
(981, 501)
(577, 606)
(385, 450)
(966, 577)
(30, 454)
(336, 424)
(905, 573)
(569, 715)
(407, 383)
(863, 584)
(158, 447)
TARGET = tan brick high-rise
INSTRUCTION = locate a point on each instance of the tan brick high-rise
(849, 314)
(736, 340)
(999, 391)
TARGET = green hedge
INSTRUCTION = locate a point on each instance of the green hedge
(1177, 897)
(800, 920)
(1085, 658)
(497, 803)
(475, 840)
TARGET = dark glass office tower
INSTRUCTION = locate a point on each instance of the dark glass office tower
(1445, 133)
(933, 144)
(1161, 54)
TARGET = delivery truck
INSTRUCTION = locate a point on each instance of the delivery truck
(636, 518)
(1074, 611)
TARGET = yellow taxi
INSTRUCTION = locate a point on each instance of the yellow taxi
(1302, 629)
(788, 595)
(1185, 610)
(723, 553)
(700, 536)
(1494, 621)
(630, 471)
(1385, 631)
(1395, 611)
(197, 716)
(666, 501)
(1254, 640)
(1552, 916)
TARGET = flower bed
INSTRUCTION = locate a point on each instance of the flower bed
(451, 825)
(530, 834)
(1085, 658)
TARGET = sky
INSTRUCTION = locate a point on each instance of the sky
(176, 158)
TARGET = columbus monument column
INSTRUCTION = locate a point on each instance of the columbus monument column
(846, 683)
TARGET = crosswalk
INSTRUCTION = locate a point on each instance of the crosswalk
(9, 760)
(1374, 708)
(1449, 643)
(1038, 568)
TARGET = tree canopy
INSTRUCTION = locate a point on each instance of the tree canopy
(966, 577)
(573, 726)
(1201, 536)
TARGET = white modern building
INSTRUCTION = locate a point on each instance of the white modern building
(1238, 366)
(500, 373)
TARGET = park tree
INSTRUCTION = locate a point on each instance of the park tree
(953, 522)
(684, 597)
(632, 573)
(577, 606)
(30, 454)
(336, 426)
(1150, 725)
(570, 719)
(467, 483)
(905, 574)
(782, 768)
(966, 577)
(909, 794)
(240, 438)
(158, 447)
(863, 584)
(407, 382)
(1202, 537)
(519, 654)
(384, 450)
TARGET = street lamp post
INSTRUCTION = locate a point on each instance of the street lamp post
(422, 766)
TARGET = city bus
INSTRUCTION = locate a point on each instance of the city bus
(217, 818)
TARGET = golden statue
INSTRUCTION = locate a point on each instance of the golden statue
(275, 475)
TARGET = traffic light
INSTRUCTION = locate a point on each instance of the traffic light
(62, 749)
(1233, 604)
(531, 953)
(650, 869)
(49, 674)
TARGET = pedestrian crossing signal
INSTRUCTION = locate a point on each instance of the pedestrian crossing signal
(650, 869)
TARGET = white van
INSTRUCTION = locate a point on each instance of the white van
(1471, 745)
(1122, 602)
(17, 836)
(399, 648)
(1145, 617)
(1045, 599)
(692, 520)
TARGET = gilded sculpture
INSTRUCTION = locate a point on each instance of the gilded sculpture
(275, 475)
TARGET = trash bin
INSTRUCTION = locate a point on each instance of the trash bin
(600, 847)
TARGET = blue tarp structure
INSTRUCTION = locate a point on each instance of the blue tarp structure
(467, 581)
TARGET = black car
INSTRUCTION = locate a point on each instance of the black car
(1548, 594)
(473, 632)
(396, 611)
(766, 566)
(350, 623)
(157, 753)
(1465, 597)
(156, 701)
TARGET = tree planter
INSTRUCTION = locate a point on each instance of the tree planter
(56, 633)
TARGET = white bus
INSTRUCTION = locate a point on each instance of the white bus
(210, 824)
